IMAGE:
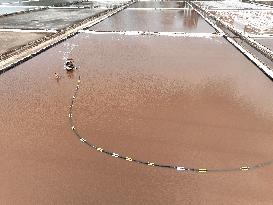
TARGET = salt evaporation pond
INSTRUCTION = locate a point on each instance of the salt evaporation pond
(157, 21)
(145, 96)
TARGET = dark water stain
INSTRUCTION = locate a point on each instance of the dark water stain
(189, 101)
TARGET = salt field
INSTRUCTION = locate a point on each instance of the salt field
(230, 5)
(47, 19)
(37, 2)
(252, 22)
(162, 106)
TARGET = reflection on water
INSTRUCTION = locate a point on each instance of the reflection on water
(182, 4)
(190, 19)
(160, 4)
(184, 20)
(70, 75)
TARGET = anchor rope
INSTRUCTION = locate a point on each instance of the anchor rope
(149, 163)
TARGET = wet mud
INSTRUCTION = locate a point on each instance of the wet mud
(267, 42)
(47, 19)
(156, 21)
(12, 40)
(146, 97)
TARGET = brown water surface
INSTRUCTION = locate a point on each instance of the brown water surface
(187, 101)
(160, 4)
(156, 21)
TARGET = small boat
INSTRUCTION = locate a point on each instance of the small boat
(69, 65)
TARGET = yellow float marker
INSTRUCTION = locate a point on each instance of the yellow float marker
(82, 140)
(244, 168)
(129, 159)
(99, 149)
(202, 170)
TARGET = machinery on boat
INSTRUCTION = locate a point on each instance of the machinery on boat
(69, 64)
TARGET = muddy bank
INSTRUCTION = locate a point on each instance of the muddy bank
(13, 40)
(144, 96)
(267, 42)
